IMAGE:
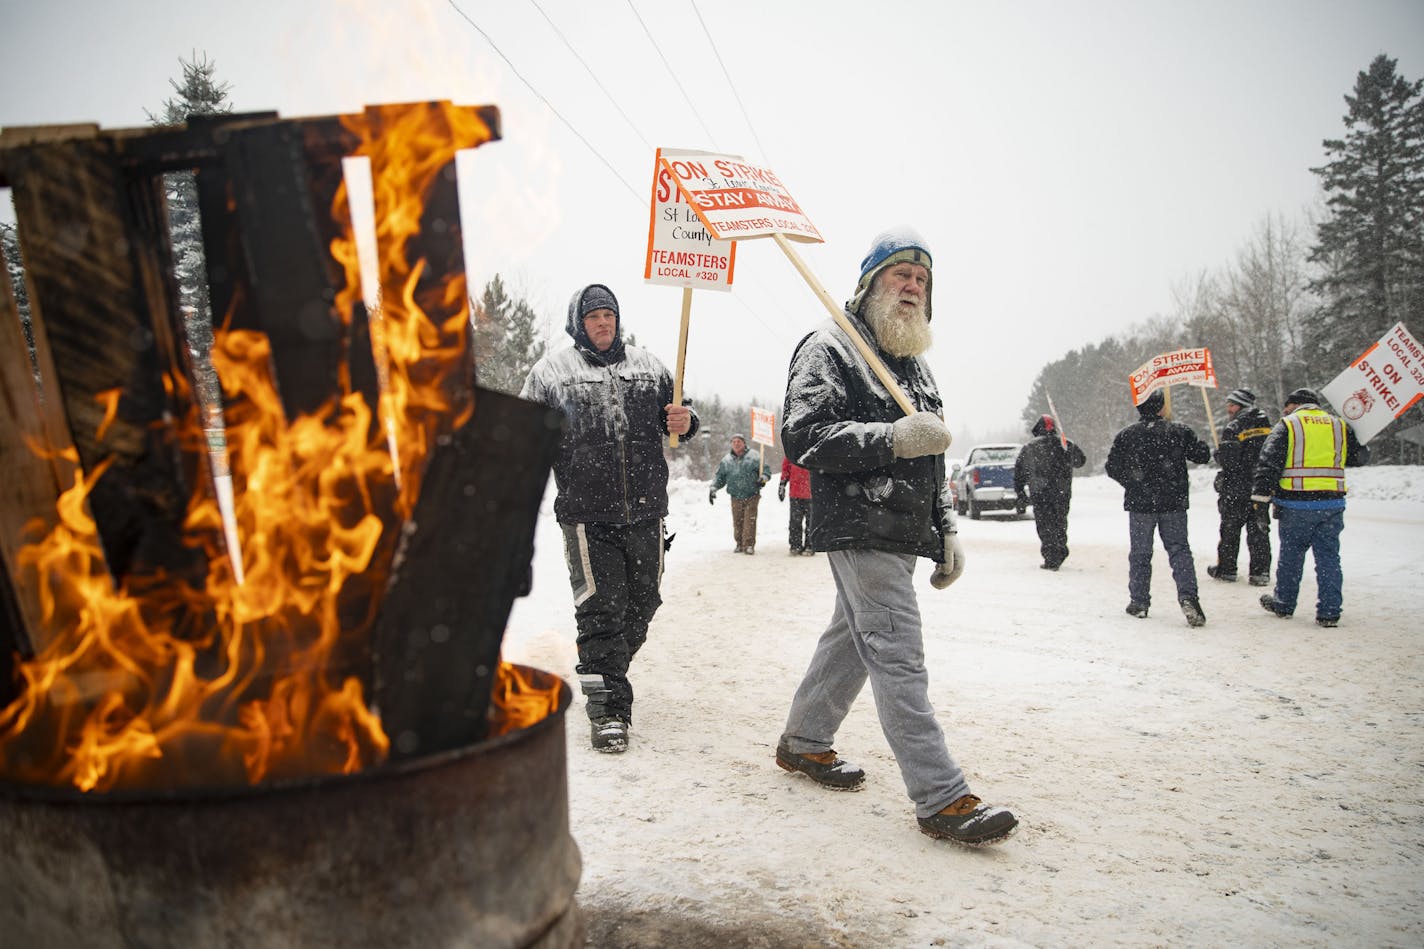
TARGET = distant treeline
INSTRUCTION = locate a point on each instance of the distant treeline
(1299, 304)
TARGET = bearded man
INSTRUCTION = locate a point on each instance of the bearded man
(879, 502)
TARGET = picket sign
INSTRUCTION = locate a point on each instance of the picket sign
(1381, 384)
(682, 253)
(1191, 366)
(735, 199)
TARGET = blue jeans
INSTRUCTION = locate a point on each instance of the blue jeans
(1172, 525)
(1318, 532)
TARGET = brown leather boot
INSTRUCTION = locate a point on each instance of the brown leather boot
(971, 822)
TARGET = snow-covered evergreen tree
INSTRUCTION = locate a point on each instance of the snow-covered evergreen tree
(14, 268)
(198, 93)
(1370, 246)
(506, 338)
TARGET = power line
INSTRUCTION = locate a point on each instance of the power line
(569, 125)
(592, 76)
(710, 42)
(587, 144)
(685, 97)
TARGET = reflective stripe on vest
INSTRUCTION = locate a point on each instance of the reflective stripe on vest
(1315, 452)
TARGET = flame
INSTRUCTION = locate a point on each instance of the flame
(255, 674)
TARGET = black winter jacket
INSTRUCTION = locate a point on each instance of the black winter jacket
(1241, 442)
(837, 422)
(1149, 459)
(1046, 469)
(610, 467)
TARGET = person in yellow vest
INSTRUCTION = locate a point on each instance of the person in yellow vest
(1302, 468)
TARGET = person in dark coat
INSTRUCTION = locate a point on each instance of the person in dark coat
(1241, 442)
(1149, 459)
(612, 495)
(879, 503)
(1043, 476)
(1302, 471)
(798, 479)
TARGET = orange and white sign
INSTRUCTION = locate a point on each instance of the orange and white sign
(1381, 384)
(764, 426)
(736, 199)
(681, 251)
(1190, 366)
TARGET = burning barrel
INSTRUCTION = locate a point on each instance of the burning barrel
(468, 847)
(253, 590)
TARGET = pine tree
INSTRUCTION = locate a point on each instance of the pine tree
(1370, 247)
(506, 338)
(14, 268)
(199, 93)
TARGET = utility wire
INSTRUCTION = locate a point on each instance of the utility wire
(591, 75)
(636, 196)
(547, 103)
(710, 42)
(685, 97)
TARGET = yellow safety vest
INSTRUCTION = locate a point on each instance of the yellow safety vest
(1315, 452)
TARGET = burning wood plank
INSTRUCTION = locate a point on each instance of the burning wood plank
(262, 672)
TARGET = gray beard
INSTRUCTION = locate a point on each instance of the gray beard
(895, 334)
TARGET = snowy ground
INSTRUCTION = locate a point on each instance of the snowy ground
(1253, 782)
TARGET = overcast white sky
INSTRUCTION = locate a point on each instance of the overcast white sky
(1068, 163)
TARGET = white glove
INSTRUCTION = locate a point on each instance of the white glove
(949, 571)
(923, 433)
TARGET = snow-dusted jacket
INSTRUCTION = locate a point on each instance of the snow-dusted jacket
(1046, 469)
(836, 422)
(1241, 442)
(1272, 461)
(741, 475)
(1149, 459)
(798, 479)
(610, 467)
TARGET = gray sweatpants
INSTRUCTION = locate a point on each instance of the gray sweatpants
(875, 633)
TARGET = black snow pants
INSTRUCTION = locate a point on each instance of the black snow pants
(798, 531)
(615, 571)
(1050, 516)
(1236, 514)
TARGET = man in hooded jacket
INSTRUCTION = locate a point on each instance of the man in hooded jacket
(879, 502)
(1149, 459)
(612, 495)
(1044, 469)
(1241, 442)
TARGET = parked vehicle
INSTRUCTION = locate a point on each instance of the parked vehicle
(986, 480)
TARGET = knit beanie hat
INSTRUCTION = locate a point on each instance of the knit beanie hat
(892, 247)
(1303, 397)
(1242, 397)
(1152, 405)
(1044, 425)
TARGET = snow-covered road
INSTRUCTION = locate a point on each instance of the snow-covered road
(1255, 782)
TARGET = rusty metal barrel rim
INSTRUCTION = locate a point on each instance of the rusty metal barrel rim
(464, 848)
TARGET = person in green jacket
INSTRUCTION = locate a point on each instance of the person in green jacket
(743, 477)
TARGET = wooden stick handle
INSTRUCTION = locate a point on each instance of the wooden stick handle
(681, 356)
(1211, 426)
(838, 314)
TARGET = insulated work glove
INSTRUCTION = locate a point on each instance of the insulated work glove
(1261, 514)
(781, 491)
(923, 433)
(711, 495)
(949, 571)
(1021, 504)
